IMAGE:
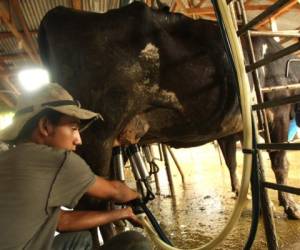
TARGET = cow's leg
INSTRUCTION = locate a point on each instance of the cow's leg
(279, 162)
(228, 148)
(280, 168)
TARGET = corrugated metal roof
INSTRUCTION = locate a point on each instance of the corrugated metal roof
(2, 27)
(10, 46)
(99, 6)
(34, 10)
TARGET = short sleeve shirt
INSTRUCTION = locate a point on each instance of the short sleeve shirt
(35, 181)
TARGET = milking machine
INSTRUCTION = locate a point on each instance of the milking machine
(118, 163)
(142, 178)
(150, 159)
(138, 166)
(140, 172)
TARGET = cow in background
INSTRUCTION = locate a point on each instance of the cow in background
(136, 65)
(272, 74)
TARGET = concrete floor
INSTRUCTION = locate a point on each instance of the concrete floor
(203, 205)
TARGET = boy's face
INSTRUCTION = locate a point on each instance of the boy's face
(64, 135)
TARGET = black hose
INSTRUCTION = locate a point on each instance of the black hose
(255, 190)
(154, 169)
(139, 203)
(150, 195)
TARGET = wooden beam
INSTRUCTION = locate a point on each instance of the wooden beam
(13, 57)
(256, 6)
(6, 81)
(181, 5)
(278, 13)
(7, 34)
(149, 3)
(173, 6)
(200, 11)
(7, 73)
(6, 100)
(209, 10)
(201, 2)
(6, 20)
(77, 4)
(9, 85)
(27, 34)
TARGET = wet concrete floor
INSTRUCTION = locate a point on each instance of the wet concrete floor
(203, 205)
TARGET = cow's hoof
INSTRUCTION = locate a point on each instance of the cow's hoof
(292, 213)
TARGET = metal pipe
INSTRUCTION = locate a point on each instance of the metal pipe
(168, 169)
(288, 65)
(176, 163)
(282, 33)
(280, 88)
(280, 187)
(118, 163)
(137, 161)
(279, 146)
(276, 6)
(261, 114)
(147, 153)
(272, 57)
(274, 103)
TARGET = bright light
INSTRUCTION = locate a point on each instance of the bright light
(32, 79)
(6, 120)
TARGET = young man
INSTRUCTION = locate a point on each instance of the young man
(41, 173)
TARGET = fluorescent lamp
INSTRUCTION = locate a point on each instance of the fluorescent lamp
(32, 79)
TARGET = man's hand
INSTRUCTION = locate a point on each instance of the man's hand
(131, 217)
(82, 220)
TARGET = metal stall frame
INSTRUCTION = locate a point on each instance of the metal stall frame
(260, 106)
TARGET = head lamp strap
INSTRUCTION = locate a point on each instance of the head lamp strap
(48, 104)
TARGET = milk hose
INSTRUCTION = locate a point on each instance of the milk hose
(255, 182)
(236, 56)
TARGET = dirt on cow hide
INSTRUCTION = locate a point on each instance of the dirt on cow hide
(204, 204)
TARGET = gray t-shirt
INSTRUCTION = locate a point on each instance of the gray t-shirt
(35, 180)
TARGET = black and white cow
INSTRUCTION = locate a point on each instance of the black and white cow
(163, 73)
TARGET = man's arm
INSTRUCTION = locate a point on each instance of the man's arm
(81, 220)
(111, 190)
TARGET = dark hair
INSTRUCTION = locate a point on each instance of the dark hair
(26, 132)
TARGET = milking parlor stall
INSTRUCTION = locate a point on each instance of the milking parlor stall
(204, 97)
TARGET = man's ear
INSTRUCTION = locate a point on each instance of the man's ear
(44, 126)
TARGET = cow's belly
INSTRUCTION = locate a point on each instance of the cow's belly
(179, 131)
